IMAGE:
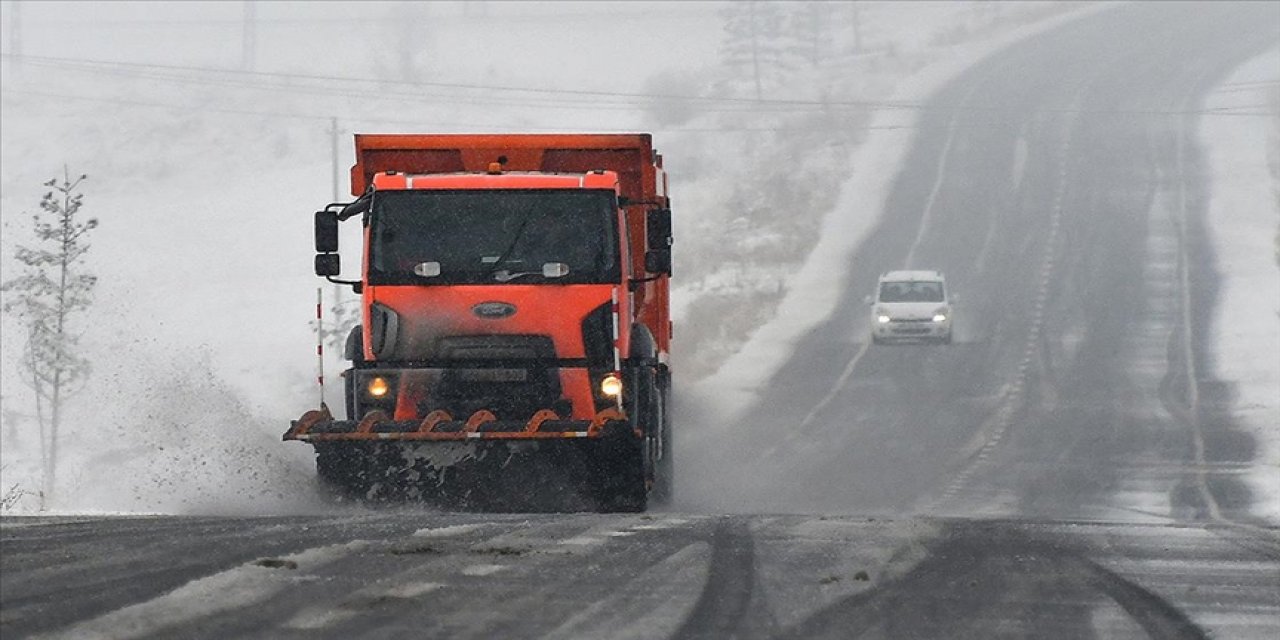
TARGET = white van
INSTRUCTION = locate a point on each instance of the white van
(911, 306)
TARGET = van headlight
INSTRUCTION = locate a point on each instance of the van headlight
(939, 317)
(882, 317)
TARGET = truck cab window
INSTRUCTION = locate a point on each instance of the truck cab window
(474, 235)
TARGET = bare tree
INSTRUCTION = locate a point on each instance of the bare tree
(249, 36)
(412, 40)
(810, 27)
(753, 40)
(52, 289)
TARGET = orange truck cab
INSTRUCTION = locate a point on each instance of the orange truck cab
(514, 289)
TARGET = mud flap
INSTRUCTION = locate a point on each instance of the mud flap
(617, 474)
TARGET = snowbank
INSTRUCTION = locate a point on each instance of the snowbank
(1244, 220)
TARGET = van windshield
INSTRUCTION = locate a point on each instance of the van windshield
(915, 291)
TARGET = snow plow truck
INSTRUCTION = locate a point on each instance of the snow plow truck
(515, 329)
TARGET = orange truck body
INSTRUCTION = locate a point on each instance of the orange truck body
(477, 343)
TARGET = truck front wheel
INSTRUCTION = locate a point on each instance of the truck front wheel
(664, 475)
(624, 465)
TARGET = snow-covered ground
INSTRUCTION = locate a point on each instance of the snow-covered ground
(1244, 220)
(203, 182)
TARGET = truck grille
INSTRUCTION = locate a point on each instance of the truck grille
(508, 375)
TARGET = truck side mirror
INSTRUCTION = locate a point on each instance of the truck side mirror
(658, 236)
(328, 264)
(658, 261)
(658, 228)
(326, 232)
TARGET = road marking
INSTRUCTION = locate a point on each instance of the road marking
(925, 219)
(1188, 351)
(927, 216)
(1014, 399)
(837, 387)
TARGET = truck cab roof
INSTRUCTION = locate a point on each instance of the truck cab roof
(390, 181)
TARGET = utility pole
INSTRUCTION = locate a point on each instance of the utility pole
(857, 28)
(15, 37)
(248, 36)
(339, 297)
(333, 144)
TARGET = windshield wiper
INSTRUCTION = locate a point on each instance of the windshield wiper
(511, 247)
(506, 275)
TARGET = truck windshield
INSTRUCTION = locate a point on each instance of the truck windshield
(927, 291)
(493, 237)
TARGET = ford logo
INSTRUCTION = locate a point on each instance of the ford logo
(494, 310)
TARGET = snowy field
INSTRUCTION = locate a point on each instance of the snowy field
(1244, 217)
(203, 175)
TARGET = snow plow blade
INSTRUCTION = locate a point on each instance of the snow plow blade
(543, 464)
(319, 425)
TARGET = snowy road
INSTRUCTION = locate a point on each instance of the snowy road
(1059, 187)
(1068, 469)
(645, 576)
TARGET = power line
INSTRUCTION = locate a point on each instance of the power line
(92, 64)
(364, 19)
(424, 123)
(439, 124)
(601, 100)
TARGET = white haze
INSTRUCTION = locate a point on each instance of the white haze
(204, 183)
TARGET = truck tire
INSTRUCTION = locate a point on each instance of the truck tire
(664, 476)
(349, 393)
(624, 466)
(353, 350)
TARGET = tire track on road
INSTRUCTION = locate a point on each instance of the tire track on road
(730, 606)
(973, 573)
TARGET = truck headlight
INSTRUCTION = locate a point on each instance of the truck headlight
(611, 385)
(377, 387)
(882, 318)
(939, 317)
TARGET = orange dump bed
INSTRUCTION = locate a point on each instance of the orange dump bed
(631, 155)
